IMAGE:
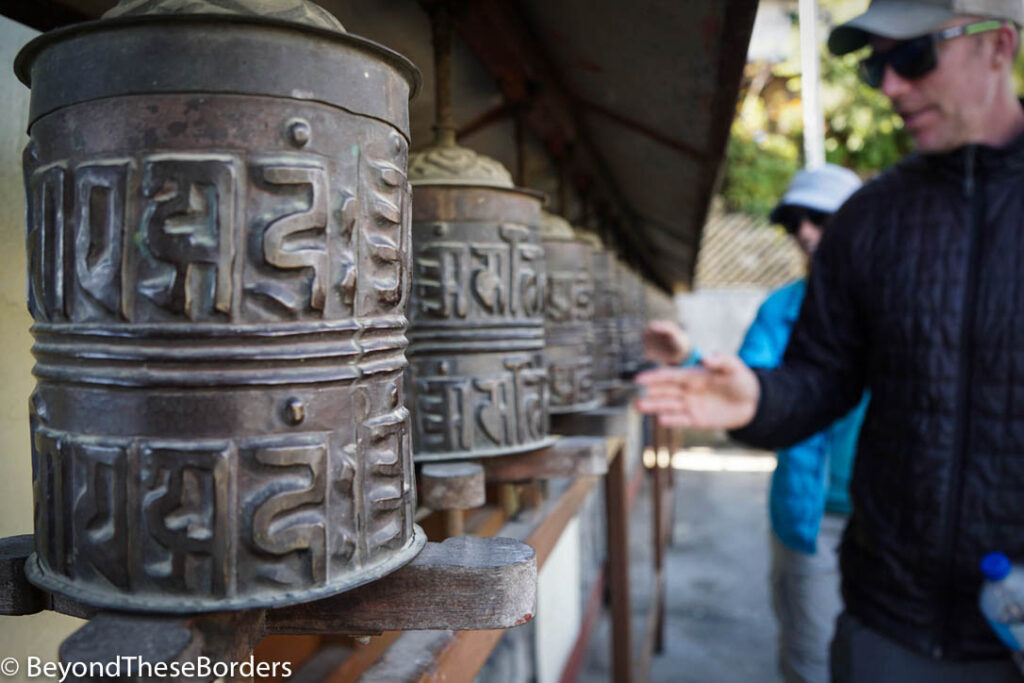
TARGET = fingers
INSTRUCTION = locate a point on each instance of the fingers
(692, 378)
(662, 404)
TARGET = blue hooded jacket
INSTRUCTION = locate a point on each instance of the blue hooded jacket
(814, 475)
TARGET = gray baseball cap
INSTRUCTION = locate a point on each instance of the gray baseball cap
(902, 19)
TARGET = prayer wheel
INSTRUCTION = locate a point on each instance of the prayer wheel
(218, 247)
(630, 320)
(607, 309)
(478, 382)
(570, 318)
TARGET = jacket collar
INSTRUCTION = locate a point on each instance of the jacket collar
(983, 157)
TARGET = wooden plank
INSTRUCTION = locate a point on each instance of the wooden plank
(557, 516)
(145, 648)
(617, 521)
(485, 522)
(462, 583)
(466, 654)
(17, 595)
(460, 655)
(320, 665)
(602, 422)
(658, 508)
(365, 656)
(636, 482)
(434, 656)
(571, 456)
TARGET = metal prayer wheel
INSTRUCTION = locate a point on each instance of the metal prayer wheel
(570, 318)
(218, 242)
(477, 376)
(607, 308)
(630, 320)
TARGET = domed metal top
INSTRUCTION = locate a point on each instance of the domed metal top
(454, 165)
(555, 228)
(297, 11)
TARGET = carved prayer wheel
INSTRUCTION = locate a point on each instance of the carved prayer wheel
(630, 320)
(607, 308)
(218, 248)
(478, 380)
(570, 318)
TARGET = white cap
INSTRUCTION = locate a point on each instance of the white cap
(820, 189)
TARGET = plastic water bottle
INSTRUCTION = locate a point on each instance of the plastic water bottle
(1002, 602)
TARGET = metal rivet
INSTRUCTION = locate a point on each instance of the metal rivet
(393, 396)
(32, 151)
(300, 133)
(441, 230)
(295, 411)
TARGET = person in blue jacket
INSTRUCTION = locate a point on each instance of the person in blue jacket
(809, 498)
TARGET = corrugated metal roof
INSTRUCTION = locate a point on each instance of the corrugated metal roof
(636, 98)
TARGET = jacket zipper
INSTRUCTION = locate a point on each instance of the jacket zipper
(965, 369)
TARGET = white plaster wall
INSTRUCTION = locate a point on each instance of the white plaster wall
(717, 319)
(40, 634)
(558, 605)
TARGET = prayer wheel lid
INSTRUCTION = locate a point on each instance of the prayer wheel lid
(296, 11)
(455, 165)
(555, 228)
(179, 46)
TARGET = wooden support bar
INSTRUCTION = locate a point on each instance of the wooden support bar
(658, 505)
(17, 595)
(144, 648)
(462, 583)
(157, 641)
(458, 656)
(452, 485)
(603, 422)
(568, 457)
(434, 656)
(617, 520)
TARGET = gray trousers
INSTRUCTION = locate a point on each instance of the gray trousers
(806, 600)
(861, 655)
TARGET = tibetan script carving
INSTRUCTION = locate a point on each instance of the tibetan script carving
(493, 280)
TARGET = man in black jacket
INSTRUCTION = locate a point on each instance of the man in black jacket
(919, 298)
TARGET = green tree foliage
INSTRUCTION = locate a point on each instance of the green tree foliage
(766, 144)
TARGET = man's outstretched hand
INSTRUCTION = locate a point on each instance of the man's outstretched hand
(666, 343)
(720, 394)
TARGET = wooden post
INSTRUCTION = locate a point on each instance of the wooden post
(617, 520)
(452, 488)
(658, 514)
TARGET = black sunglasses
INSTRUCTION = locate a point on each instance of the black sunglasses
(793, 216)
(914, 58)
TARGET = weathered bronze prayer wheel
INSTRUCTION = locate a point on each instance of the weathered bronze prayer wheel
(607, 308)
(218, 247)
(570, 318)
(478, 380)
(630, 319)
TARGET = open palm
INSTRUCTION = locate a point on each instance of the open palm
(722, 394)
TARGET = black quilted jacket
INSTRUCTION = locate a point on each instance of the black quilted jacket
(917, 293)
